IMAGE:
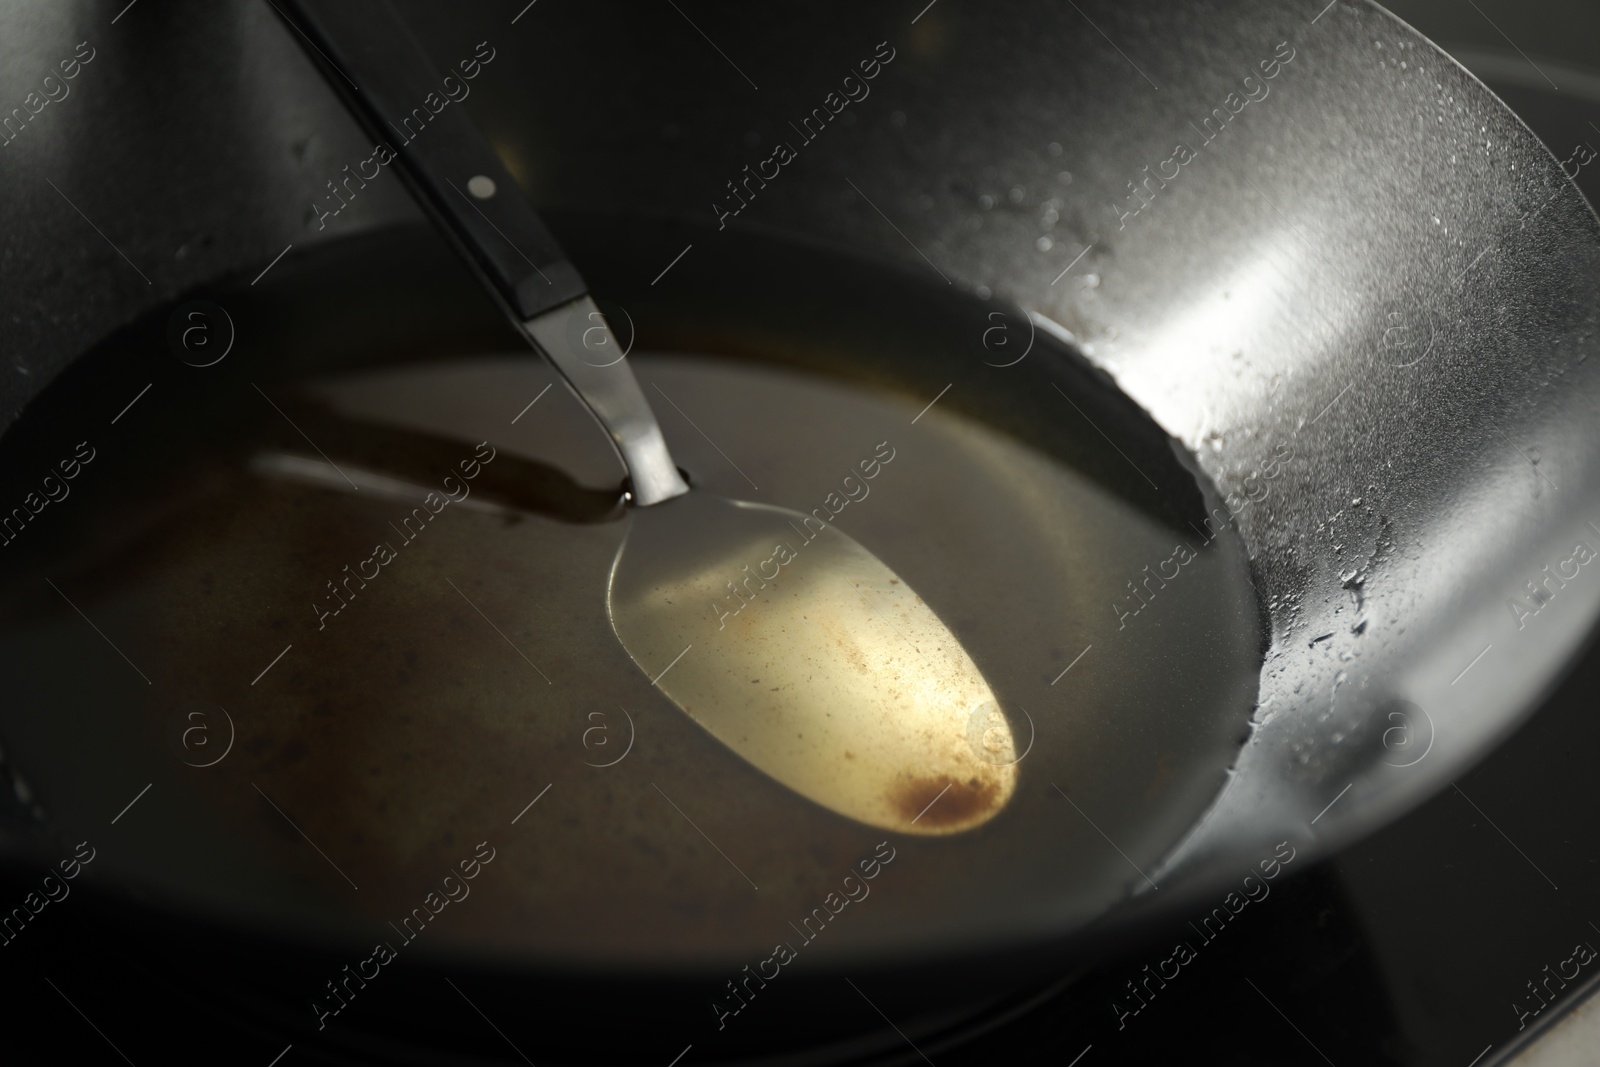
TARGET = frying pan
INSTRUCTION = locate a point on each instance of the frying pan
(1364, 306)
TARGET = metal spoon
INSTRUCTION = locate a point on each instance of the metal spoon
(790, 642)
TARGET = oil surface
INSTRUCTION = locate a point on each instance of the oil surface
(380, 599)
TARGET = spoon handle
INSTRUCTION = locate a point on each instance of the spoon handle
(386, 78)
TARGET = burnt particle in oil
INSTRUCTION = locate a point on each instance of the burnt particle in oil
(944, 801)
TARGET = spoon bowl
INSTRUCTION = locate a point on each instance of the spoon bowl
(802, 651)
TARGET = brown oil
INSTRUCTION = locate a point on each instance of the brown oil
(222, 551)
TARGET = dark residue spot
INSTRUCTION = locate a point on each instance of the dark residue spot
(960, 802)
